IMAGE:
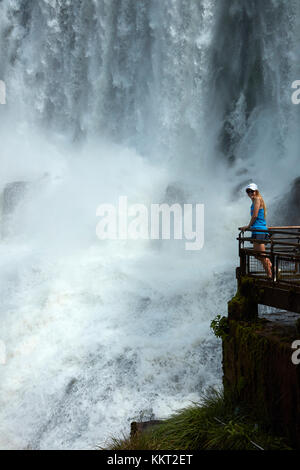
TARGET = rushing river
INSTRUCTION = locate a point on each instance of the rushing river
(162, 101)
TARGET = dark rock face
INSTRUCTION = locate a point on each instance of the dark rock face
(294, 202)
(287, 211)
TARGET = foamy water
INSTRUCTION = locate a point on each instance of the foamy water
(104, 101)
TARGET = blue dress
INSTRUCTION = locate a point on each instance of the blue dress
(260, 222)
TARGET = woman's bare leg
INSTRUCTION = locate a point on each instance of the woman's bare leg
(265, 261)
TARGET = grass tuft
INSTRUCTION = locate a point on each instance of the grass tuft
(213, 424)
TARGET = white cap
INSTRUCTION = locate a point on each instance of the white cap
(252, 186)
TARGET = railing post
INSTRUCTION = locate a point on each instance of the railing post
(276, 270)
(272, 261)
(242, 255)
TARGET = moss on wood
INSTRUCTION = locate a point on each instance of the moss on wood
(258, 371)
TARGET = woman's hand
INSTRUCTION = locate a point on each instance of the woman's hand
(243, 229)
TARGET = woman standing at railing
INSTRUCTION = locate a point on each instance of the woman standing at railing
(258, 221)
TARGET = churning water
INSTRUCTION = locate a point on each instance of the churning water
(162, 101)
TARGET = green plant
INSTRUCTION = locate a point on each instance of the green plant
(212, 424)
(220, 326)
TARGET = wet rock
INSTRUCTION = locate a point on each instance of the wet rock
(138, 428)
(71, 386)
(12, 195)
(174, 194)
(286, 211)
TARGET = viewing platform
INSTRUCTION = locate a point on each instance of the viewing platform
(282, 291)
(261, 361)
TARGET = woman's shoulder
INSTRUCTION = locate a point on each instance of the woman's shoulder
(259, 201)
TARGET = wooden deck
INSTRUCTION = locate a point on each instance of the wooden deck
(282, 291)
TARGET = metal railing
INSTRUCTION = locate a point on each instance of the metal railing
(282, 248)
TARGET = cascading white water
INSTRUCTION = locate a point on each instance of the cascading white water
(169, 100)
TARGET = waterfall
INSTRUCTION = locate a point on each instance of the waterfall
(162, 101)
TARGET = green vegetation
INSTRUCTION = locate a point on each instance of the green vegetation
(243, 306)
(220, 326)
(213, 424)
